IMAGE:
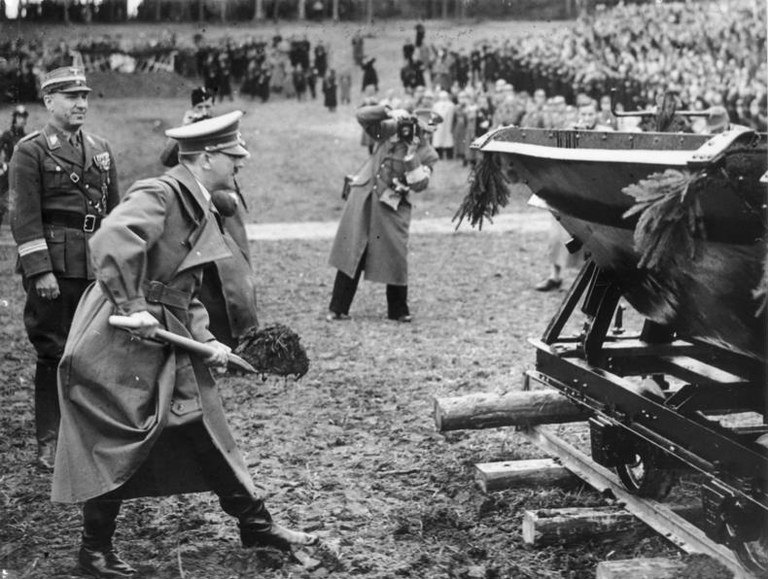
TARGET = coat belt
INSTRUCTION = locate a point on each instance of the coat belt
(159, 293)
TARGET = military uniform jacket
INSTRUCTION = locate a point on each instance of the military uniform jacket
(120, 395)
(367, 221)
(58, 196)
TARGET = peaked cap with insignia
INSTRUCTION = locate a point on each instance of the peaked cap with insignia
(215, 135)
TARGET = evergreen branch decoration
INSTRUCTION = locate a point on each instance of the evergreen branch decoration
(488, 192)
(671, 222)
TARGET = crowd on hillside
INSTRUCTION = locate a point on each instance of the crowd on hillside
(708, 55)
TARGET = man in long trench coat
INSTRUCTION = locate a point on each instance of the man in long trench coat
(140, 418)
(374, 228)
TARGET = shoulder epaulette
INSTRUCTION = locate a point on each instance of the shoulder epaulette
(27, 137)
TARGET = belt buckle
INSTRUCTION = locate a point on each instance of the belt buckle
(89, 224)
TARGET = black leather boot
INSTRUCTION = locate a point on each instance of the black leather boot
(97, 557)
(47, 414)
(104, 563)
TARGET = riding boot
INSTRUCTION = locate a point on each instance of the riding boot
(253, 518)
(97, 556)
(47, 414)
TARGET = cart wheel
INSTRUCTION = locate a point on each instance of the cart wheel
(753, 554)
(643, 477)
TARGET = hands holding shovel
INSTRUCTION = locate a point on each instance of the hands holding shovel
(147, 326)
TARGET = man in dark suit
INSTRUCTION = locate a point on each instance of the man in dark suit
(63, 181)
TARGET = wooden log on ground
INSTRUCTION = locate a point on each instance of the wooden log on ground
(554, 526)
(651, 568)
(523, 408)
(497, 476)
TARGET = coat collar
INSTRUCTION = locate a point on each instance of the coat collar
(57, 142)
(208, 243)
(187, 179)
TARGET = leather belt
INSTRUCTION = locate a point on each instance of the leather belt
(159, 293)
(87, 223)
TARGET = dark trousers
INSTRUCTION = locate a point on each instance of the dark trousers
(100, 514)
(345, 287)
(47, 323)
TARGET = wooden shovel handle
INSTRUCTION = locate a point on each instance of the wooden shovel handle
(188, 344)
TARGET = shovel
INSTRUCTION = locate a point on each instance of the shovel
(188, 344)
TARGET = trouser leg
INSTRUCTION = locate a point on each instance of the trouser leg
(397, 301)
(99, 523)
(344, 289)
(47, 413)
(47, 323)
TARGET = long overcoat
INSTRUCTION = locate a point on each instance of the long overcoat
(368, 223)
(230, 288)
(120, 395)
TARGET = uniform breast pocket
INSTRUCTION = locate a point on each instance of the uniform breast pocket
(54, 175)
(57, 249)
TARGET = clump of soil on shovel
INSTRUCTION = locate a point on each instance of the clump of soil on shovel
(275, 349)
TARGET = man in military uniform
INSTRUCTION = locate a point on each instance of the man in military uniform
(8, 141)
(154, 413)
(63, 181)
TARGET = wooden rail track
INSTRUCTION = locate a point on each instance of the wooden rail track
(656, 515)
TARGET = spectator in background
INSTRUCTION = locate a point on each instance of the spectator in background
(345, 86)
(370, 76)
(321, 59)
(369, 100)
(358, 50)
(202, 108)
(460, 125)
(442, 137)
(312, 82)
(329, 91)
(8, 140)
(299, 82)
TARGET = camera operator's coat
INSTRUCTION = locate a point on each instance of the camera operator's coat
(122, 395)
(367, 222)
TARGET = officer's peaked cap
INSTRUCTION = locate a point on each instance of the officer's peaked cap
(216, 135)
(64, 79)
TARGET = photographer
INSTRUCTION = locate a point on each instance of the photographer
(373, 231)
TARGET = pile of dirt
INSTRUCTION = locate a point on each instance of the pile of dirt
(141, 85)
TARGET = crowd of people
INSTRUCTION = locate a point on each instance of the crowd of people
(711, 56)
(641, 50)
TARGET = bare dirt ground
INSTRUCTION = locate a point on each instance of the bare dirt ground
(350, 451)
